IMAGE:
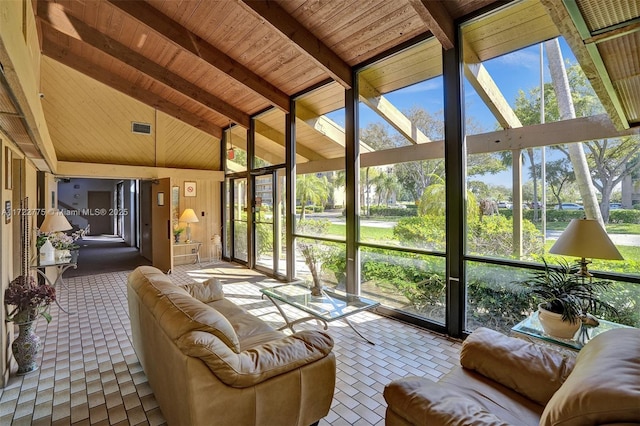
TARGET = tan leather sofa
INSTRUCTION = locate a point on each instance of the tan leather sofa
(508, 381)
(215, 364)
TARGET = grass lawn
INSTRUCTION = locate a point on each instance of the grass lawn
(368, 233)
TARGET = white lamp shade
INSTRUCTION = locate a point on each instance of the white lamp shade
(188, 216)
(586, 238)
(55, 221)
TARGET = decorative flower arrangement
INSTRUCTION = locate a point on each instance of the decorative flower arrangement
(59, 240)
(29, 298)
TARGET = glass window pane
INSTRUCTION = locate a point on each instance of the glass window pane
(409, 282)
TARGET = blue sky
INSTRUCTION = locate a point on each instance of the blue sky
(511, 72)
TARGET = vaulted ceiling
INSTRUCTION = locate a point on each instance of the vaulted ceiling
(208, 63)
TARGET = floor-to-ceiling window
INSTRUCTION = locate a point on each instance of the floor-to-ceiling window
(526, 180)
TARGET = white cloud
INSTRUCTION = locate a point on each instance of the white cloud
(424, 86)
(521, 58)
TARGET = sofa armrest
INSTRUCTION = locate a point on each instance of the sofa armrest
(259, 363)
(532, 370)
(420, 401)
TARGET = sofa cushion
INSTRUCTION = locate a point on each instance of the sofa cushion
(532, 370)
(422, 402)
(604, 386)
(260, 363)
(179, 314)
(207, 291)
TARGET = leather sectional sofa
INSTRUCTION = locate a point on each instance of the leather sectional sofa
(209, 362)
(504, 380)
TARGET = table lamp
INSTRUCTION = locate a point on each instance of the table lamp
(188, 216)
(54, 221)
(585, 238)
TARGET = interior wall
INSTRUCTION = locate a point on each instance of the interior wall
(206, 205)
(25, 186)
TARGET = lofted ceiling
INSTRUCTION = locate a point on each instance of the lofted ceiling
(209, 63)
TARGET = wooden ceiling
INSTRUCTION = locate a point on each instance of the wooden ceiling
(208, 63)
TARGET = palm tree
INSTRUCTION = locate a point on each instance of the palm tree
(311, 188)
(576, 151)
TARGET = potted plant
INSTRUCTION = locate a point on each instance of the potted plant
(565, 298)
(313, 251)
(29, 300)
(177, 231)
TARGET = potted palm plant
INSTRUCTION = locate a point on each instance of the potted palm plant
(565, 298)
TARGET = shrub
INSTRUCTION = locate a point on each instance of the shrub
(391, 211)
(423, 231)
(624, 216)
(493, 236)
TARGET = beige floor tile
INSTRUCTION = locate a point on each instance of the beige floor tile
(89, 374)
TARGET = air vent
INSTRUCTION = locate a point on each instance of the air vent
(141, 128)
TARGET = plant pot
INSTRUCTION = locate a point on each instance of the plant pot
(177, 238)
(25, 348)
(553, 325)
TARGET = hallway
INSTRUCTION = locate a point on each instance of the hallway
(105, 253)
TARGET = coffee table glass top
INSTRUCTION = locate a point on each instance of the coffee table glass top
(330, 306)
(532, 327)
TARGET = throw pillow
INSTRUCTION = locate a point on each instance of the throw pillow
(207, 291)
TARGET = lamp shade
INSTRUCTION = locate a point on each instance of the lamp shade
(188, 216)
(587, 239)
(55, 221)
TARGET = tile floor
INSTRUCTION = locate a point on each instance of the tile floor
(90, 375)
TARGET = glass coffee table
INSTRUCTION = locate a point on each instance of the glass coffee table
(531, 327)
(330, 306)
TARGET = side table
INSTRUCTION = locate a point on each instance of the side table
(531, 328)
(195, 250)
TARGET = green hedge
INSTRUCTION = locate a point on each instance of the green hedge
(391, 211)
(624, 216)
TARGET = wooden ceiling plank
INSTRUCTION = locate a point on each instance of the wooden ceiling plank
(305, 41)
(437, 19)
(64, 56)
(117, 50)
(183, 38)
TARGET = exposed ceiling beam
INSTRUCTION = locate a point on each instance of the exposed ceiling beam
(377, 102)
(567, 17)
(437, 19)
(307, 43)
(63, 55)
(488, 90)
(183, 38)
(324, 125)
(555, 133)
(125, 171)
(278, 137)
(53, 18)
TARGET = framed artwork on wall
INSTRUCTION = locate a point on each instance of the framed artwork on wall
(189, 189)
(8, 174)
(175, 203)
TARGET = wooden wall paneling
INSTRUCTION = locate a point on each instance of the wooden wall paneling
(207, 200)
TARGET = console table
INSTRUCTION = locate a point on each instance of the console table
(60, 266)
(192, 248)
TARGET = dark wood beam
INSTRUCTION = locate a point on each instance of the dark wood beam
(62, 54)
(53, 18)
(437, 19)
(183, 38)
(307, 43)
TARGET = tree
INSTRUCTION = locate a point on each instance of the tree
(610, 162)
(311, 188)
(567, 111)
(559, 174)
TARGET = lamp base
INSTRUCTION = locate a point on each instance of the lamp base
(584, 272)
(188, 234)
